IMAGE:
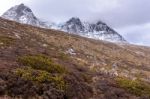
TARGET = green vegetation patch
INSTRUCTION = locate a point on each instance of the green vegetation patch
(63, 56)
(136, 87)
(41, 69)
(42, 62)
(6, 41)
(40, 76)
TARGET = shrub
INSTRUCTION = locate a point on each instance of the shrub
(63, 56)
(136, 87)
(59, 82)
(41, 62)
(17, 87)
(39, 76)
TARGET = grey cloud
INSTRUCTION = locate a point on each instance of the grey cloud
(117, 13)
(130, 12)
(137, 34)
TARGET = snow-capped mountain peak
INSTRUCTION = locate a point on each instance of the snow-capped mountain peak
(99, 30)
(74, 25)
(23, 14)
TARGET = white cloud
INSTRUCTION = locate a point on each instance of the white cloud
(137, 34)
(6, 4)
(99, 6)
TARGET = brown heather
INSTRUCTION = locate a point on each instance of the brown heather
(36, 63)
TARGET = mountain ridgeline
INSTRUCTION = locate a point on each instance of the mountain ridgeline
(98, 30)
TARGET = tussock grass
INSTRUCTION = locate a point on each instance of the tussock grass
(136, 87)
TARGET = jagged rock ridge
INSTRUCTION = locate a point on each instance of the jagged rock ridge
(98, 30)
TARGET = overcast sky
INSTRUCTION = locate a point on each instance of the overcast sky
(130, 18)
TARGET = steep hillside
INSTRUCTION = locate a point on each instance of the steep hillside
(48, 64)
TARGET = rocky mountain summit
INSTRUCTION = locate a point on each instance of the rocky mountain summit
(23, 14)
(98, 30)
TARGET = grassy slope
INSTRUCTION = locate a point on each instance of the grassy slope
(90, 70)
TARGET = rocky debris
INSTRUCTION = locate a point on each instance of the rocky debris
(71, 51)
